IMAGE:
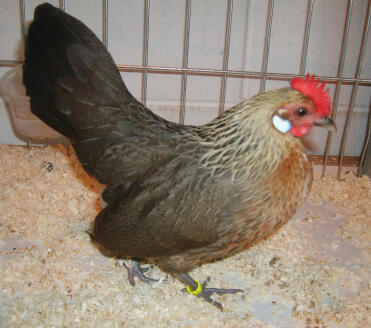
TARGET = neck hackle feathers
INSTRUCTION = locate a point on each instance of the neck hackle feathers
(314, 90)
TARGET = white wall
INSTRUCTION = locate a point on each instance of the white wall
(125, 41)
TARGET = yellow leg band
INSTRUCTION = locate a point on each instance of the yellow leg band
(197, 291)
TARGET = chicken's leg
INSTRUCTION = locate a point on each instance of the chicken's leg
(200, 290)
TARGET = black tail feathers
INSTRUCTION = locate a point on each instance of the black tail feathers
(69, 75)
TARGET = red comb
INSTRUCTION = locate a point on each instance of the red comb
(314, 91)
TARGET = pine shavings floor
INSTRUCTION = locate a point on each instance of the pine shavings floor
(314, 272)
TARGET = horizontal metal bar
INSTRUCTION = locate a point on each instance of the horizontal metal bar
(216, 72)
(334, 160)
(10, 63)
(220, 72)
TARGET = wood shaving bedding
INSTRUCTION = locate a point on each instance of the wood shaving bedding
(314, 272)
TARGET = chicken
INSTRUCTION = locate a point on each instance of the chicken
(177, 195)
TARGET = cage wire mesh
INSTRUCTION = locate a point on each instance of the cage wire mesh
(225, 74)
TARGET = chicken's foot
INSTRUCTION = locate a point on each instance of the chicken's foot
(137, 271)
(200, 290)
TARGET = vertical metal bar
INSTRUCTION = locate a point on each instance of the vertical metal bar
(187, 27)
(227, 43)
(145, 51)
(308, 23)
(23, 20)
(367, 141)
(355, 87)
(267, 43)
(23, 34)
(62, 5)
(105, 23)
(343, 52)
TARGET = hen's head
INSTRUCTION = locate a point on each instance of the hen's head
(309, 105)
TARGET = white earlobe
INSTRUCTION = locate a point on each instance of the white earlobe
(280, 124)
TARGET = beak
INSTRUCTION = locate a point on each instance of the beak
(326, 122)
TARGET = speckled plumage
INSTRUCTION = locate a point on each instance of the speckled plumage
(179, 195)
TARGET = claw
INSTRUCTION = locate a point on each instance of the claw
(137, 271)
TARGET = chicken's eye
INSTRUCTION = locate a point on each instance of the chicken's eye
(302, 111)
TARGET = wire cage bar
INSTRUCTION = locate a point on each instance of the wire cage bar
(187, 29)
(227, 43)
(355, 87)
(23, 19)
(105, 23)
(62, 5)
(225, 73)
(267, 44)
(308, 22)
(338, 83)
(145, 51)
(366, 143)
